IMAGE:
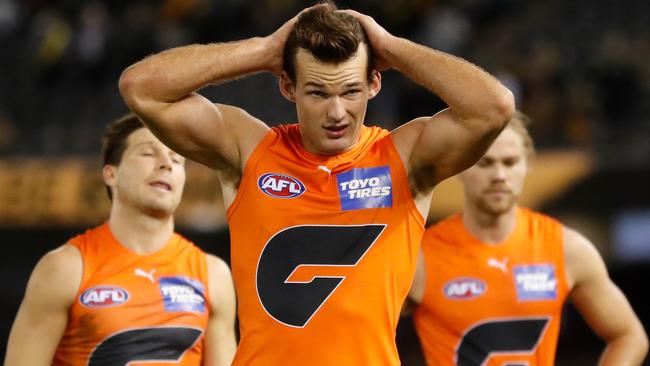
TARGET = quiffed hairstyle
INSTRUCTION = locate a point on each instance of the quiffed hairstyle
(329, 35)
(114, 140)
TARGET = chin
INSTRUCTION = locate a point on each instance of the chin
(337, 146)
(159, 209)
(496, 208)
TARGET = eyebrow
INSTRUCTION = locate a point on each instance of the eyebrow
(354, 84)
(142, 143)
(314, 84)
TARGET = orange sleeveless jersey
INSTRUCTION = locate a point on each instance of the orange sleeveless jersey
(492, 305)
(323, 252)
(136, 309)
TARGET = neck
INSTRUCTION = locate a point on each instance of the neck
(139, 232)
(489, 228)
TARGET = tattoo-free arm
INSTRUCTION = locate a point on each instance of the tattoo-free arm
(43, 313)
(602, 304)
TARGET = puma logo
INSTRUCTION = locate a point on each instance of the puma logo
(325, 169)
(145, 274)
(502, 265)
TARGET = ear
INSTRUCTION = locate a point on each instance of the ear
(375, 84)
(109, 175)
(287, 88)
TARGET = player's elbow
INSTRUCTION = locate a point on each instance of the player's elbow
(639, 344)
(502, 109)
(131, 87)
(633, 340)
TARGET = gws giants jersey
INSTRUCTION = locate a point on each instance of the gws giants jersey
(136, 309)
(492, 305)
(323, 252)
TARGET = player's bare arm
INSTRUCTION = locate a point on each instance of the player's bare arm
(43, 313)
(161, 90)
(220, 342)
(602, 304)
(438, 147)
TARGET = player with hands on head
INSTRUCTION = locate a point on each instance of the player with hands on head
(336, 206)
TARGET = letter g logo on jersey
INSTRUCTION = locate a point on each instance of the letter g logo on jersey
(279, 185)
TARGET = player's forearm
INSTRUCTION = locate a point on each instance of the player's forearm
(468, 90)
(629, 350)
(173, 74)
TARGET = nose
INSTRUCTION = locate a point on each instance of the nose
(165, 162)
(498, 173)
(336, 110)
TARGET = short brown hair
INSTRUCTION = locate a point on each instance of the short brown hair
(519, 123)
(114, 140)
(329, 35)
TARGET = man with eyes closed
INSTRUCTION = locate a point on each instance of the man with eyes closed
(130, 291)
(325, 215)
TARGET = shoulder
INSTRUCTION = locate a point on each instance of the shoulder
(582, 259)
(60, 262)
(405, 136)
(58, 274)
(217, 267)
(577, 245)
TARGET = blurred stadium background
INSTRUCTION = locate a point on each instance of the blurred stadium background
(580, 69)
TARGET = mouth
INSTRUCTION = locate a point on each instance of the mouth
(498, 192)
(160, 185)
(335, 131)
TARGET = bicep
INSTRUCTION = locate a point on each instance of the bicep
(43, 313)
(215, 135)
(601, 303)
(220, 342)
(604, 307)
(448, 144)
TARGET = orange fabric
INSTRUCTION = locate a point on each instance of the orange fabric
(136, 308)
(492, 303)
(333, 233)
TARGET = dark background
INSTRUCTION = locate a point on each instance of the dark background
(578, 68)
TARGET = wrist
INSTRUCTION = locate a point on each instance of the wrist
(270, 52)
(389, 52)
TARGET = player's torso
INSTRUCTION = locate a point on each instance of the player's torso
(149, 310)
(493, 305)
(323, 254)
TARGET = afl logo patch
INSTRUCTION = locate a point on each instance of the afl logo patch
(464, 288)
(280, 185)
(103, 296)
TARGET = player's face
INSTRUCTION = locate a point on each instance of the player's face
(150, 176)
(331, 101)
(494, 184)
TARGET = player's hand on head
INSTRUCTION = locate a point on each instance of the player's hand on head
(377, 36)
(277, 41)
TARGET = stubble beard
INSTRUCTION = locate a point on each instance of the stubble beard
(494, 207)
